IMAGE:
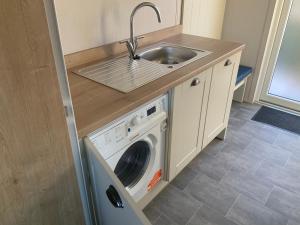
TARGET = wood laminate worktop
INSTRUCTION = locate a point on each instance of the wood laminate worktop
(96, 105)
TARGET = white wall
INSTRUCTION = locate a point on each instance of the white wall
(204, 17)
(244, 22)
(91, 23)
(249, 22)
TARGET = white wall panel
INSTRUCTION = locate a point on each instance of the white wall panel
(249, 21)
(204, 17)
(91, 23)
(245, 22)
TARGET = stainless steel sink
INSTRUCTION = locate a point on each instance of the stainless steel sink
(125, 74)
(169, 55)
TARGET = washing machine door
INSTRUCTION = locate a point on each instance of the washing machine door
(113, 204)
(133, 163)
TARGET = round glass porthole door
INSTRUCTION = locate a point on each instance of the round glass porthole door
(134, 162)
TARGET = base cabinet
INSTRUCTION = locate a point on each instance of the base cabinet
(200, 112)
(220, 98)
(189, 101)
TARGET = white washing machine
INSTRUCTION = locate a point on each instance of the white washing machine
(134, 147)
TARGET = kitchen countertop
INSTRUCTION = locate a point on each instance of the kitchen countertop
(96, 105)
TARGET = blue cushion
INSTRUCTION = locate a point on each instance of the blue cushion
(244, 71)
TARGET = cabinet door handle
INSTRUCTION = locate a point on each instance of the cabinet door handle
(195, 82)
(228, 62)
(114, 197)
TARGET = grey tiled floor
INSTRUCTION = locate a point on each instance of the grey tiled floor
(251, 178)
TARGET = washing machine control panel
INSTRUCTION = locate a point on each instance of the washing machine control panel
(123, 131)
(145, 115)
(136, 120)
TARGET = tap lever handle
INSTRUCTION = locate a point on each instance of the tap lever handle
(140, 37)
(127, 40)
(123, 41)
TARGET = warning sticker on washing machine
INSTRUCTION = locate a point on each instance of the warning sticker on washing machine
(156, 178)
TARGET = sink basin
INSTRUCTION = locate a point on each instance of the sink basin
(169, 55)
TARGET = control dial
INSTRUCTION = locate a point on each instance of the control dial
(136, 120)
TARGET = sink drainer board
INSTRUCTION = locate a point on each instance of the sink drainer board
(125, 75)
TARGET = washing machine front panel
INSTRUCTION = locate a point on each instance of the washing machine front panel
(155, 169)
(134, 146)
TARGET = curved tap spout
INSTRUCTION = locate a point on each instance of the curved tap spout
(143, 4)
(132, 44)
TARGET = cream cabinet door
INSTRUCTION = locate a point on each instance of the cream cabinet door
(220, 97)
(187, 104)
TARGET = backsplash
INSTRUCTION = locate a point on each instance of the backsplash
(91, 23)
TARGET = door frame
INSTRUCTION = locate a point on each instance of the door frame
(265, 97)
(69, 111)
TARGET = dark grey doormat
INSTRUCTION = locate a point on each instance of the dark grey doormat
(278, 119)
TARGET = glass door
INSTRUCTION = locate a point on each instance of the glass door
(282, 83)
(133, 164)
